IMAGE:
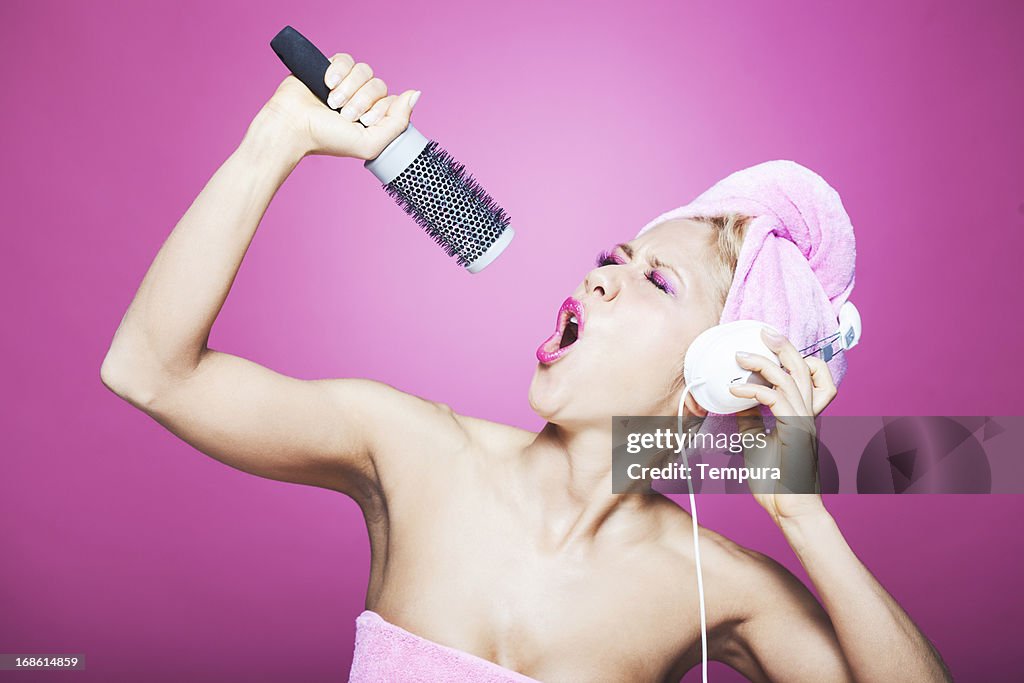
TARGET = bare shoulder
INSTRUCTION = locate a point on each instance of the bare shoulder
(399, 416)
(755, 605)
(492, 438)
(405, 433)
(417, 438)
(720, 553)
(743, 582)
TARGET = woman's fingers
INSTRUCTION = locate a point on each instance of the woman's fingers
(364, 98)
(793, 362)
(395, 120)
(785, 383)
(773, 398)
(341, 64)
(354, 78)
(824, 386)
(378, 110)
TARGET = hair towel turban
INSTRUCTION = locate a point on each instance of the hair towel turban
(796, 266)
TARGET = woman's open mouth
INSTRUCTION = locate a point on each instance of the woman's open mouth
(568, 330)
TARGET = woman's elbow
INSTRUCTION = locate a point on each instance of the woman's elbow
(127, 380)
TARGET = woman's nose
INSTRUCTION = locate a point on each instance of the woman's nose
(602, 282)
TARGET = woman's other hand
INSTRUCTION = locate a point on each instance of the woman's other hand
(317, 129)
(800, 390)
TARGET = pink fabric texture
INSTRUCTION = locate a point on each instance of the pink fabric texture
(796, 267)
(385, 652)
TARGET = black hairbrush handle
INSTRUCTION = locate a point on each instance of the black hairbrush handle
(304, 60)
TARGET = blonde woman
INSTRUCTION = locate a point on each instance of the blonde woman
(499, 553)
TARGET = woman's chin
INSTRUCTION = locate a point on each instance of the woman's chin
(551, 393)
(540, 394)
(555, 399)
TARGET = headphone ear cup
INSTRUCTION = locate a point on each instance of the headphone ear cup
(710, 366)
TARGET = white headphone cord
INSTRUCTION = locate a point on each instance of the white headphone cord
(696, 544)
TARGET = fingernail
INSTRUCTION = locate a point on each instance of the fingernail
(368, 118)
(772, 335)
(348, 113)
(742, 355)
(333, 80)
(340, 98)
(415, 97)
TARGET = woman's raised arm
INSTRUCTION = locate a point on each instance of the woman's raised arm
(320, 432)
(876, 638)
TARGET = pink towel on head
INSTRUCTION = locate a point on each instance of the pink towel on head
(385, 652)
(796, 267)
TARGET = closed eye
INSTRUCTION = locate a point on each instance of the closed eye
(606, 258)
(654, 277)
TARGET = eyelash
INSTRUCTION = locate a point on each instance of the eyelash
(607, 259)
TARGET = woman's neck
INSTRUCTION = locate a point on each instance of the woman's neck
(571, 472)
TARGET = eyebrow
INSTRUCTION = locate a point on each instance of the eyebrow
(654, 261)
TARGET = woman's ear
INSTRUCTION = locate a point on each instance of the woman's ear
(694, 408)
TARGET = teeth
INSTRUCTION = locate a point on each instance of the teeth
(572, 318)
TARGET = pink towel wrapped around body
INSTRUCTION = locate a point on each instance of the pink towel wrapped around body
(796, 267)
(385, 652)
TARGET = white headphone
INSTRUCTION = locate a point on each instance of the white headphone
(710, 366)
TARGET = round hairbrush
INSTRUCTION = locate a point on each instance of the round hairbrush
(423, 179)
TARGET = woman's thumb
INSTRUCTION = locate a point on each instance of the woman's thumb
(402, 108)
(394, 123)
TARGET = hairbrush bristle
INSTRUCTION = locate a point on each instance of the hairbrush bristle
(448, 204)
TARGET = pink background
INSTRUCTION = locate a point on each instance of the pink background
(584, 121)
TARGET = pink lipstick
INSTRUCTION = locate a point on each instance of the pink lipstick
(568, 330)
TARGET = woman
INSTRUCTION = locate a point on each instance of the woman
(498, 553)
